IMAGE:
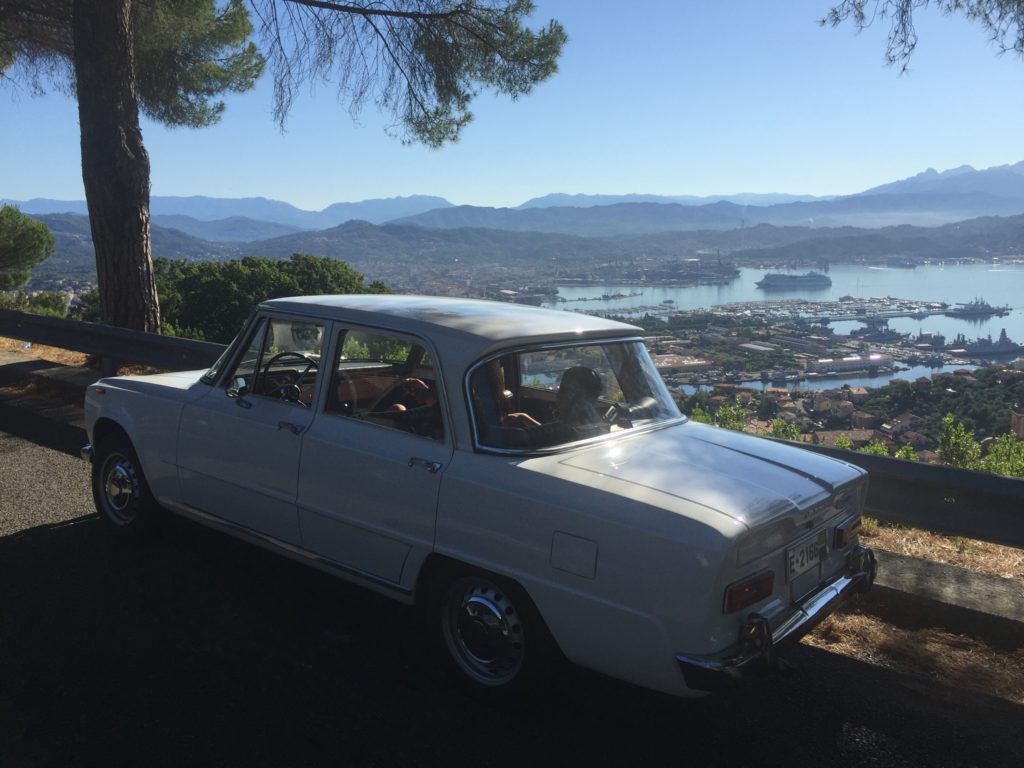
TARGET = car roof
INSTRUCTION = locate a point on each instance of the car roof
(475, 325)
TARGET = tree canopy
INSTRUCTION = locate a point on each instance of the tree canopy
(422, 61)
(24, 242)
(1003, 20)
(186, 53)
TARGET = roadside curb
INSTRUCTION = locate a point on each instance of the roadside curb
(64, 381)
(951, 585)
(907, 610)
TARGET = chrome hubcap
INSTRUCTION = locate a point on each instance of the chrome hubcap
(119, 488)
(483, 631)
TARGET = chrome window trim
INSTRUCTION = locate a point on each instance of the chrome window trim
(479, 447)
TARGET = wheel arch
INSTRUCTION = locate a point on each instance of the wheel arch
(436, 567)
(105, 427)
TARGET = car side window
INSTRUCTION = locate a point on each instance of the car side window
(281, 361)
(387, 379)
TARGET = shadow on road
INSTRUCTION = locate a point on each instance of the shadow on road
(197, 649)
(40, 428)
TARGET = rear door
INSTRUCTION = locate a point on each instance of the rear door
(372, 462)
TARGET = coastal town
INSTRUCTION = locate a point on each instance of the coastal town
(778, 366)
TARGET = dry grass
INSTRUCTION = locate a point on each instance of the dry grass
(42, 352)
(979, 556)
(958, 660)
(67, 357)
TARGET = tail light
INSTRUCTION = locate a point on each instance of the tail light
(846, 532)
(749, 591)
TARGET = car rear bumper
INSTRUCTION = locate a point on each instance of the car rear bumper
(756, 651)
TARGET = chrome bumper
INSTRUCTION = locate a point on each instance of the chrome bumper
(86, 452)
(756, 651)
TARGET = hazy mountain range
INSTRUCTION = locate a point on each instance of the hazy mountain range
(915, 217)
(247, 218)
(930, 198)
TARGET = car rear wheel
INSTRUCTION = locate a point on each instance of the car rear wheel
(119, 488)
(493, 635)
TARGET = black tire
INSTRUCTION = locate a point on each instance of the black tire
(119, 489)
(492, 636)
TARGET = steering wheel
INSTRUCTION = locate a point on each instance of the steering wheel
(310, 362)
(618, 414)
(291, 392)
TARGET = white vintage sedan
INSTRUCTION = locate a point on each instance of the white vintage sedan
(523, 474)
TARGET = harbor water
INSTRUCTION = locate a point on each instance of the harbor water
(999, 285)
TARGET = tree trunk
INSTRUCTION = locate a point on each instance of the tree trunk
(115, 164)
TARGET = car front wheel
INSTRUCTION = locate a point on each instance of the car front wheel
(119, 488)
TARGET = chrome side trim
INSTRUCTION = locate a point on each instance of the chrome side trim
(87, 452)
(758, 643)
(377, 583)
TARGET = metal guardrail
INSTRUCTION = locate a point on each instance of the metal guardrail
(931, 496)
(114, 345)
(959, 502)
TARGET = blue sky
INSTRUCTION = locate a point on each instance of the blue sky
(655, 96)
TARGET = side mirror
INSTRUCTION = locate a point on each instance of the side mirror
(237, 387)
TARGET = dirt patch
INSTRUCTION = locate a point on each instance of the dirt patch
(43, 352)
(929, 652)
(70, 358)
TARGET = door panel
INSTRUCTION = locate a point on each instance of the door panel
(360, 503)
(239, 446)
(372, 462)
(240, 464)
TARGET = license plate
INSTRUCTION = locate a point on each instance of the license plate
(805, 555)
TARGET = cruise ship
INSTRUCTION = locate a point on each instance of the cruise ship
(775, 281)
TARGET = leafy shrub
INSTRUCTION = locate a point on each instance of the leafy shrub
(49, 303)
(211, 300)
(785, 430)
(957, 446)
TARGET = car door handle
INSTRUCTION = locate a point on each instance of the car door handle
(433, 467)
(295, 429)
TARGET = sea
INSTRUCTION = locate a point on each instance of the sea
(953, 283)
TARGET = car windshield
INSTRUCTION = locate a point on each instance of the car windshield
(543, 398)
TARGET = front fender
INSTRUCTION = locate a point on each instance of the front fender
(149, 414)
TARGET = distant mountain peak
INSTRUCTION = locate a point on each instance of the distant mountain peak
(999, 181)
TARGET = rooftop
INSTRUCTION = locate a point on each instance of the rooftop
(475, 326)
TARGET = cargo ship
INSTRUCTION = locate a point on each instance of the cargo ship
(774, 281)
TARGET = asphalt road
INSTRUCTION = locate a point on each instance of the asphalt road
(199, 650)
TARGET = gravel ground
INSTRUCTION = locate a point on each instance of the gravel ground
(42, 478)
(196, 649)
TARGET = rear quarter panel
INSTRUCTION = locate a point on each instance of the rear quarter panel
(622, 583)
